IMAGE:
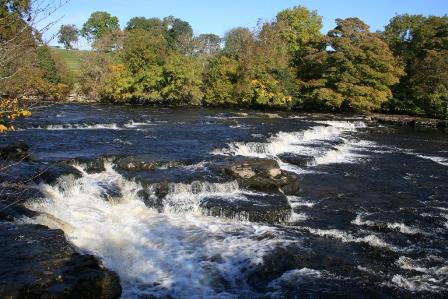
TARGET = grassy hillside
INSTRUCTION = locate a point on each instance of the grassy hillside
(73, 58)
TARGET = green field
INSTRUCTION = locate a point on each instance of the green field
(73, 58)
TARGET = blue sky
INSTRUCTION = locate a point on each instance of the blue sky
(218, 16)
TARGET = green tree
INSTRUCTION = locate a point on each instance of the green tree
(139, 80)
(238, 42)
(429, 85)
(68, 35)
(400, 33)
(354, 70)
(220, 79)
(141, 48)
(180, 34)
(182, 81)
(419, 41)
(148, 24)
(98, 25)
(299, 27)
(254, 70)
(47, 64)
(207, 44)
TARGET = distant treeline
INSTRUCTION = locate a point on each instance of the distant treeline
(284, 63)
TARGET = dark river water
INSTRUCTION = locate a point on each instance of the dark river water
(371, 219)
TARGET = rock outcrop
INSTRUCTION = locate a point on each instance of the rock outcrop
(260, 175)
(38, 262)
(35, 261)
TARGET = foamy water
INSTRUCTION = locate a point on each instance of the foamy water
(397, 226)
(436, 159)
(184, 255)
(346, 237)
(429, 273)
(301, 143)
(85, 126)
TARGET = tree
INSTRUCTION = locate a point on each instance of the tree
(180, 34)
(238, 41)
(139, 79)
(220, 79)
(207, 44)
(181, 80)
(400, 33)
(353, 70)
(47, 65)
(254, 70)
(110, 42)
(20, 74)
(148, 24)
(430, 83)
(142, 48)
(299, 27)
(68, 35)
(98, 25)
(94, 69)
(420, 42)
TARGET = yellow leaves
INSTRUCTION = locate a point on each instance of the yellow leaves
(19, 113)
(117, 68)
(24, 113)
(3, 129)
(268, 91)
(10, 109)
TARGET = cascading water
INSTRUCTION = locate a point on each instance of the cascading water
(301, 143)
(174, 253)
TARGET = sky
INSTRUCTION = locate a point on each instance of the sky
(218, 16)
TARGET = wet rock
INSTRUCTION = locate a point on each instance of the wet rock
(136, 164)
(277, 262)
(261, 175)
(37, 262)
(51, 173)
(294, 159)
(264, 208)
(17, 152)
(89, 165)
(12, 199)
(110, 192)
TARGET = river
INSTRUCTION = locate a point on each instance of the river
(371, 219)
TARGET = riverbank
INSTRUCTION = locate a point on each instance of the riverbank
(408, 121)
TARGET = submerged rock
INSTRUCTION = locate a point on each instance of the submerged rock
(260, 174)
(89, 165)
(262, 208)
(123, 163)
(37, 262)
(16, 152)
(136, 164)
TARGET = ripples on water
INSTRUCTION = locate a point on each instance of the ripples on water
(371, 220)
